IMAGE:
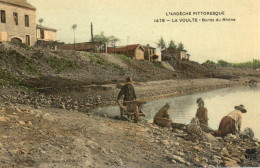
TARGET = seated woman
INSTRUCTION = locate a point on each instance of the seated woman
(162, 117)
(202, 113)
(231, 123)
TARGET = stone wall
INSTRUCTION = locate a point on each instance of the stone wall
(10, 30)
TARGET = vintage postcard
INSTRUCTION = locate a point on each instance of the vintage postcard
(129, 83)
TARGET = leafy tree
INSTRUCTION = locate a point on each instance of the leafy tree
(223, 63)
(209, 62)
(111, 40)
(172, 45)
(155, 57)
(101, 38)
(74, 27)
(180, 46)
(161, 43)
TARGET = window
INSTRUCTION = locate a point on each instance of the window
(3, 18)
(27, 38)
(41, 33)
(15, 18)
(26, 18)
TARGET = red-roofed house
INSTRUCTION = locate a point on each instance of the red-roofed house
(135, 51)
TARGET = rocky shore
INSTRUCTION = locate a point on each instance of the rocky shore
(92, 96)
(51, 137)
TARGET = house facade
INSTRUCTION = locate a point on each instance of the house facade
(17, 21)
(135, 51)
(45, 33)
(180, 55)
(149, 52)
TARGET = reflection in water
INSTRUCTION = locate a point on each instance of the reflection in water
(218, 102)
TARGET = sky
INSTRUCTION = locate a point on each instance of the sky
(132, 21)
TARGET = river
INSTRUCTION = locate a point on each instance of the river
(218, 102)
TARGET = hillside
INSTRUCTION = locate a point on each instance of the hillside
(45, 119)
(81, 80)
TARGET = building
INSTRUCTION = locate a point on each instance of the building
(180, 55)
(45, 33)
(17, 21)
(167, 54)
(98, 47)
(149, 52)
(188, 57)
(46, 37)
(135, 51)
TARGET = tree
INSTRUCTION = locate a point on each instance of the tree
(40, 21)
(101, 38)
(209, 62)
(180, 46)
(172, 45)
(112, 40)
(161, 43)
(223, 63)
(74, 27)
(155, 57)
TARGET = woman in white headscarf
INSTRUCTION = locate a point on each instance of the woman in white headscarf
(231, 123)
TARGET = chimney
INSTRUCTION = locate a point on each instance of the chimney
(92, 33)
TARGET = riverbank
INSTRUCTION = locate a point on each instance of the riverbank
(92, 96)
(51, 137)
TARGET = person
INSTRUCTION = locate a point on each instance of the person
(231, 123)
(202, 113)
(128, 91)
(162, 117)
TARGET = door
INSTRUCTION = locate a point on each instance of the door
(3, 36)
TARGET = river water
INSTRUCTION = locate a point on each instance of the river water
(218, 102)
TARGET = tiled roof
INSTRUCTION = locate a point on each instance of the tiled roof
(45, 28)
(21, 3)
(124, 49)
(80, 46)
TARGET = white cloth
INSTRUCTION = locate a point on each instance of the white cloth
(237, 116)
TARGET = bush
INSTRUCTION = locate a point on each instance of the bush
(60, 64)
(22, 45)
(7, 79)
(124, 58)
(158, 64)
(20, 61)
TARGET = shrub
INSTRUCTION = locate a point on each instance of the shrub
(60, 64)
(158, 64)
(21, 62)
(124, 58)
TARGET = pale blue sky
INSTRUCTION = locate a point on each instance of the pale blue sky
(231, 41)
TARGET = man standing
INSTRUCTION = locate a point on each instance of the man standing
(128, 91)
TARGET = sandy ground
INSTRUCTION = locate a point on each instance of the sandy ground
(49, 137)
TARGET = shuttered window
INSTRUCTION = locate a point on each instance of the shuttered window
(3, 17)
(15, 18)
(26, 19)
